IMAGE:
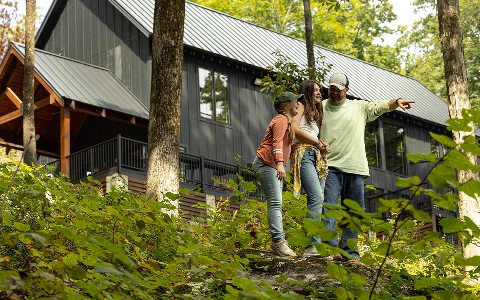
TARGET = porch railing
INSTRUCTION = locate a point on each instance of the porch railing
(126, 155)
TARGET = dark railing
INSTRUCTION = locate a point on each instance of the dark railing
(422, 202)
(126, 155)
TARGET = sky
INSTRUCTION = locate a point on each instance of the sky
(402, 8)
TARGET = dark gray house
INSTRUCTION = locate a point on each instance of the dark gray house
(93, 63)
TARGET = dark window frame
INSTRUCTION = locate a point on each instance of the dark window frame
(212, 111)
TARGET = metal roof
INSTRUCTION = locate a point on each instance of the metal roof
(232, 38)
(85, 83)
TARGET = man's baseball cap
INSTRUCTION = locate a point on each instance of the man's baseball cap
(339, 80)
(284, 97)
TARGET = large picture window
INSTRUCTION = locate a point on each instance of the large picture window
(214, 96)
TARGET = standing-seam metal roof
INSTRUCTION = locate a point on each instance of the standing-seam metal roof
(85, 83)
(232, 38)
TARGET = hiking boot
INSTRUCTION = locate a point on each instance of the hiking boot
(311, 251)
(282, 249)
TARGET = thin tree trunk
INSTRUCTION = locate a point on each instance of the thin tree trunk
(164, 126)
(309, 39)
(29, 142)
(458, 100)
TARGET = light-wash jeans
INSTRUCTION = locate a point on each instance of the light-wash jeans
(344, 186)
(272, 188)
(313, 186)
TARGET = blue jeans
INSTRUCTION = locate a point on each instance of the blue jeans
(340, 185)
(272, 188)
(313, 186)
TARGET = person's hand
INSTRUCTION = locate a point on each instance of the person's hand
(324, 147)
(404, 103)
(281, 174)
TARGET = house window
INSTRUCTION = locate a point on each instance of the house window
(372, 144)
(438, 149)
(214, 102)
(395, 156)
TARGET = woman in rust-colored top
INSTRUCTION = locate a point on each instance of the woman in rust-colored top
(269, 165)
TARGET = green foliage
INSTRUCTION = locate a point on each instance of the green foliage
(60, 241)
(285, 75)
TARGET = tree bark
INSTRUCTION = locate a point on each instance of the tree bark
(29, 141)
(164, 126)
(309, 39)
(458, 100)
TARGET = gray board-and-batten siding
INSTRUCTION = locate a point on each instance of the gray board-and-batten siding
(115, 35)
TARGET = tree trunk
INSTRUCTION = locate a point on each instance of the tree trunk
(29, 141)
(458, 100)
(309, 39)
(164, 126)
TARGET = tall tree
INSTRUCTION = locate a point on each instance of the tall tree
(458, 101)
(425, 63)
(29, 141)
(164, 127)
(309, 39)
(12, 27)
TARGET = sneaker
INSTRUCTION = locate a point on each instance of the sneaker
(282, 249)
(336, 257)
(311, 251)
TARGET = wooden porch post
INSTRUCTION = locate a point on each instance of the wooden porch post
(64, 139)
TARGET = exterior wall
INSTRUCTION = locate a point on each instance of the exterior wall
(95, 32)
(250, 114)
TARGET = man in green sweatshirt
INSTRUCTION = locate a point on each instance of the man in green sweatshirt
(343, 128)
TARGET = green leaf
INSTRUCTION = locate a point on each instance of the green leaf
(458, 124)
(140, 224)
(21, 227)
(420, 215)
(451, 225)
(353, 205)
(426, 282)
(337, 271)
(301, 241)
(358, 279)
(473, 261)
(407, 182)
(445, 295)
(202, 260)
(70, 260)
(298, 213)
(313, 227)
(472, 226)
(441, 176)
(415, 158)
(447, 201)
(459, 161)
(104, 267)
(470, 145)
(383, 248)
(341, 293)
(444, 140)
(471, 188)
(79, 224)
(38, 237)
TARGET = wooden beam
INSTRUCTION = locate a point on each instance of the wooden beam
(11, 146)
(64, 139)
(44, 102)
(10, 116)
(13, 97)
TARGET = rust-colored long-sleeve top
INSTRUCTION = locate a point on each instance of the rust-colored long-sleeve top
(275, 146)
